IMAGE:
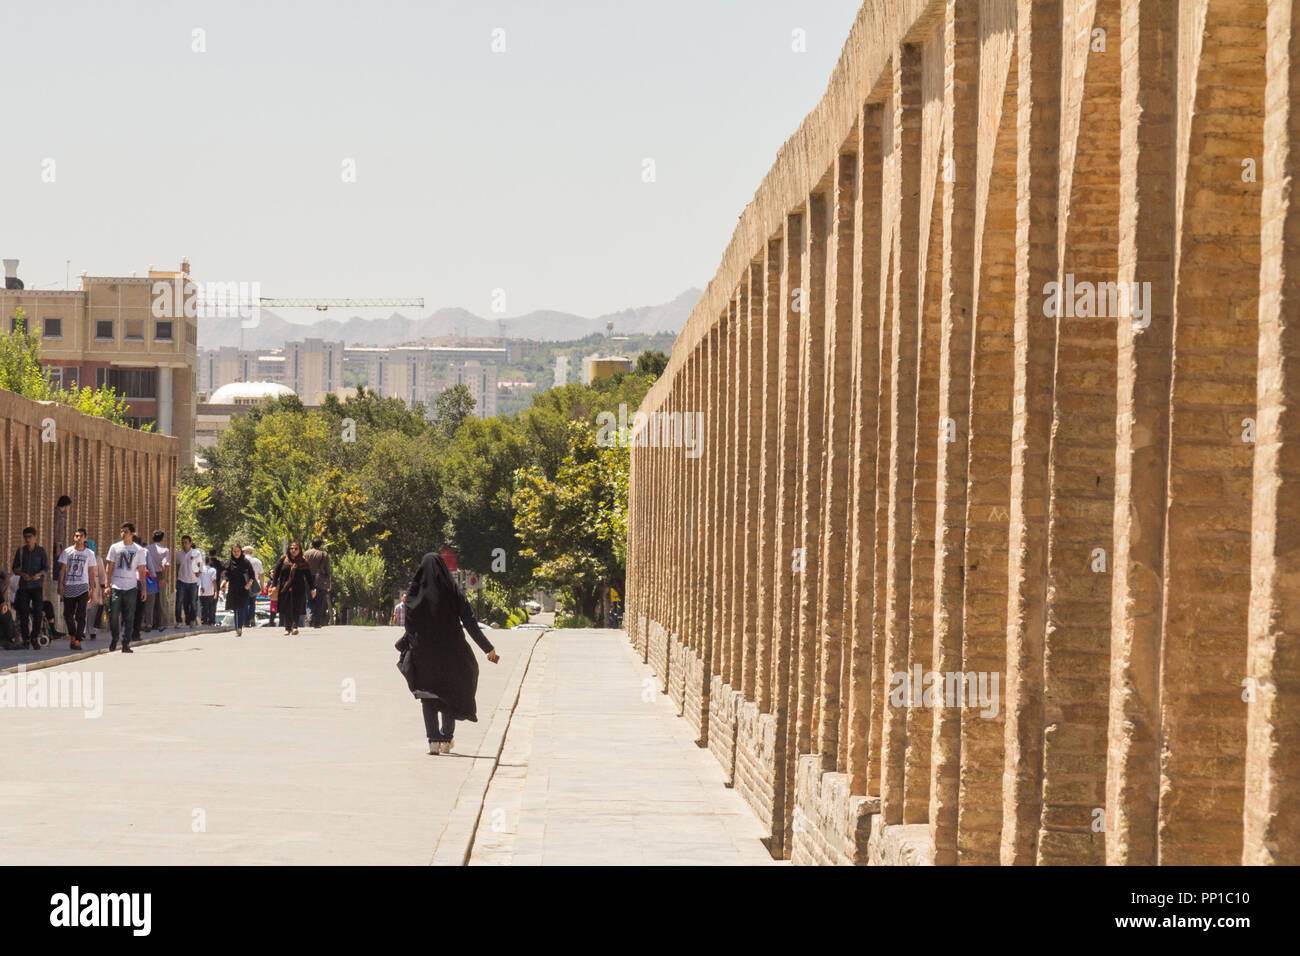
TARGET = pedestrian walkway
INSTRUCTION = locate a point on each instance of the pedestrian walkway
(598, 769)
(217, 749)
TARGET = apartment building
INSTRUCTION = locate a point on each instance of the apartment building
(130, 332)
(313, 368)
(316, 367)
(412, 372)
(481, 380)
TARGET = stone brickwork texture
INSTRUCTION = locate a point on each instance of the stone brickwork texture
(992, 553)
(112, 474)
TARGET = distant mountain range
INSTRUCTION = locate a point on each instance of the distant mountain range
(273, 331)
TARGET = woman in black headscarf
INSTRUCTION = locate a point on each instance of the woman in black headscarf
(294, 582)
(440, 668)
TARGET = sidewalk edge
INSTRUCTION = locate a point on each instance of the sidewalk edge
(95, 652)
(457, 839)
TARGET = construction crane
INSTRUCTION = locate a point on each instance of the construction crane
(321, 305)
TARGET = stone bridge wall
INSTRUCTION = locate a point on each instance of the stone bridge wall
(917, 459)
(112, 473)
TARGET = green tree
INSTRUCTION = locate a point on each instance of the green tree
(651, 363)
(570, 525)
(359, 587)
(477, 482)
(328, 506)
(401, 484)
(192, 503)
(451, 408)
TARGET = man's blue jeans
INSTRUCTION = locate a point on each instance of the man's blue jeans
(317, 606)
(121, 615)
(187, 600)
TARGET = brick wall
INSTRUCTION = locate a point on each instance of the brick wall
(1000, 377)
(113, 474)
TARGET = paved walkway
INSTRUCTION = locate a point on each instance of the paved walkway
(260, 749)
(598, 769)
(263, 749)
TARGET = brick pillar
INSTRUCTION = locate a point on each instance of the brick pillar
(902, 449)
(737, 470)
(1211, 457)
(769, 559)
(785, 582)
(726, 512)
(700, 468)
(812, 397)
(984, 607)
(838, 369)
(1272, 799)
(636, 544)
(690, 634)
(961, 131)
(1038, 87)
(1077, 644)
(660, 569)
(929, 318)
(890, 265)
(751, 416)
(861, 582)
(1147, 212)
(715, 455)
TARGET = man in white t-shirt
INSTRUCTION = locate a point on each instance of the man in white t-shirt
(126, 565)
(256, 586)
(208, 594)
(78, 573)
(189, 563)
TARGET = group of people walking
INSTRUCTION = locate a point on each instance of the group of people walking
(125, 585)
(123, 588)
(122, 585)
(300, 582)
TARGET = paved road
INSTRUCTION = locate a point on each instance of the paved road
(249, 740)
(598, 769)
(262, 749)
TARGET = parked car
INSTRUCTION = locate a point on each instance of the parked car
(532, 607)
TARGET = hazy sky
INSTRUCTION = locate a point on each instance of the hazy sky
(475, 170)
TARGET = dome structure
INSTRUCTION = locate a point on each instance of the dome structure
(248, 393)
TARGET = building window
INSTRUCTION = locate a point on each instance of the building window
(62, 376)
(52, 329)
(134, 330)
(104, 329)
(130, 382)
(162, 331)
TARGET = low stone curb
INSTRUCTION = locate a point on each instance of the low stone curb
(457, 838)
(83, 654)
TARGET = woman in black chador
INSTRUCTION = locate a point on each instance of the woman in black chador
(439, 667)
(294, 583)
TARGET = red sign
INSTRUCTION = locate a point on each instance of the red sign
(449, 556)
